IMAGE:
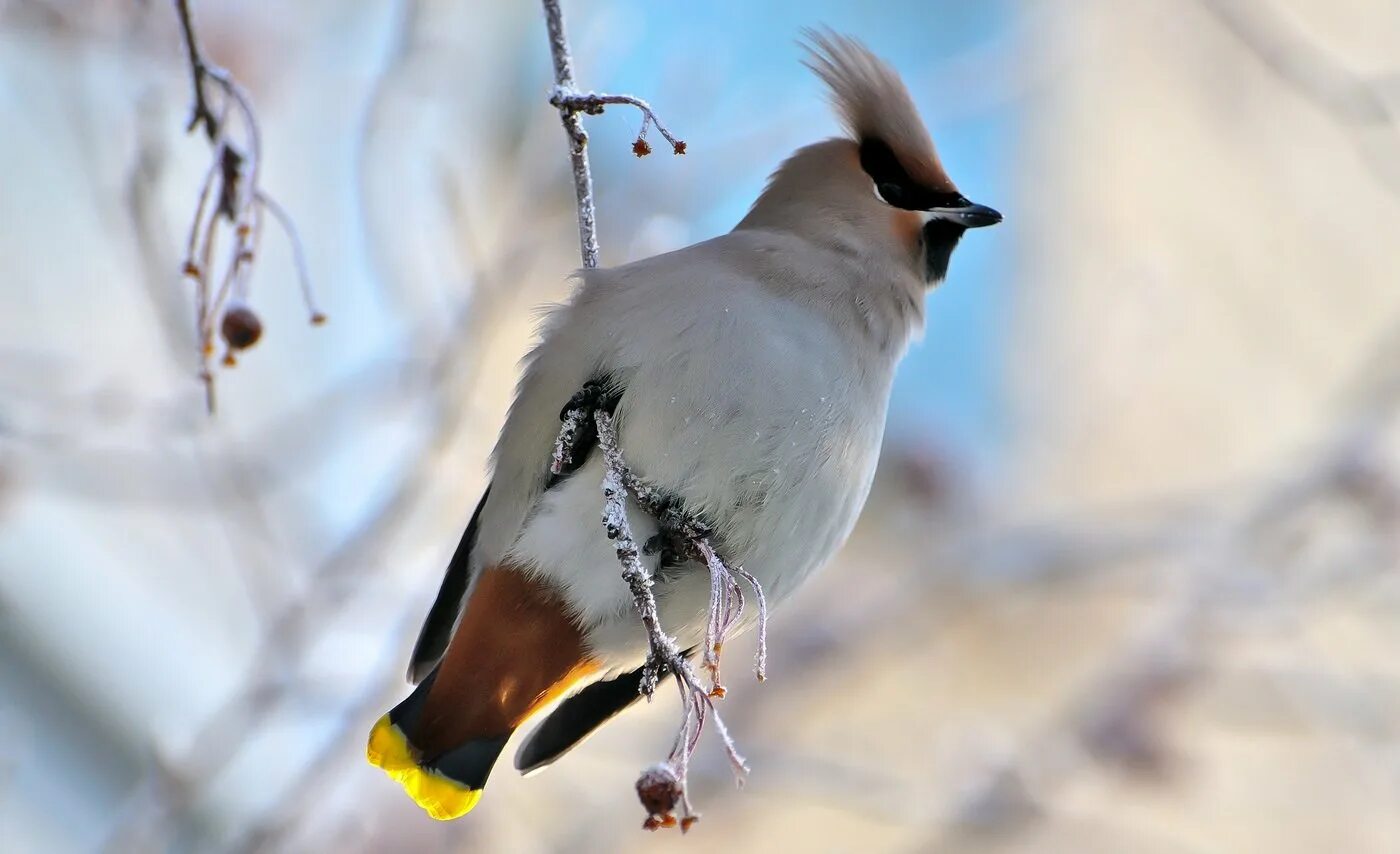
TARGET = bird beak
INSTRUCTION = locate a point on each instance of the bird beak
(967, 214)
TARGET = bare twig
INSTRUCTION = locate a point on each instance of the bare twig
(760, 662)
(563, 459)
(200, 114)
(230, 199)
(661, 788)
(570, 102)
(284, 219)
(578, 137)
(664, 653)
(593, 103)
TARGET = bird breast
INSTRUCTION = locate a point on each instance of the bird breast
(758, 412)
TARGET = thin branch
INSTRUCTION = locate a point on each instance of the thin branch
(662, 788)
(284, 219)
(199, 69)
(578, 137)
(230, 199)
(570, 102)
(664, 653)
(760, 657)
(593, 103)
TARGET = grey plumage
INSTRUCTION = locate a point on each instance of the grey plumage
(754, 372)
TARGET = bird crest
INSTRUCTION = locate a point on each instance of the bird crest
(877, 111)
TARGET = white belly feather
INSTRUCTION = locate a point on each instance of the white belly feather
(772, 434)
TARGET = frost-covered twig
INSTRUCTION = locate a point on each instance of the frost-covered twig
(760, 662)
(685, 535)
(593, 103)
(663, 651)
(662, 787)
(570, 102)
(230, 202)
(578, 137)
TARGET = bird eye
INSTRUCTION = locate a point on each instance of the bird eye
(893, 184)
(890, 194)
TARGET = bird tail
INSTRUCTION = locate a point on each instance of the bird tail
(450, 784)
(516, 649)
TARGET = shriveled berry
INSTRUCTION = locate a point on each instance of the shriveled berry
(240, 328)
(659, 790)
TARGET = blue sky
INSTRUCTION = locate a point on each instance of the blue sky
(947, 389)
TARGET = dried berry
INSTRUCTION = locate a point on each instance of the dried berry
(659, 790)
(241, 328)
(641, 147)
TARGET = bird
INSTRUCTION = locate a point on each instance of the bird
(748, 376)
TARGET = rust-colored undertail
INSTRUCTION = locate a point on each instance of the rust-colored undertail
(516, 648)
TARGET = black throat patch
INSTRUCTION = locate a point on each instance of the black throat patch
(940, 238)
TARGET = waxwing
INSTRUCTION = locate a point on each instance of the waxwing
(749, 377)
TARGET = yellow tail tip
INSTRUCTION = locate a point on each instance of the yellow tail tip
(440, 797)
(388, 748)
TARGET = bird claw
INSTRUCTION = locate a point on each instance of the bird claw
(579, 433)
(591, 397)
(676, 530)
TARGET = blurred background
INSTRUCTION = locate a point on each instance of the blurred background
(1127, 580)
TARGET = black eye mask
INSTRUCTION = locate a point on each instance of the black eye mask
(895, 185)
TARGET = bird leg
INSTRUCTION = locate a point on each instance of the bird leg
(662, 788)
(587, 419)
(579, 434)
(681, 536)
(663, 650)
(676, 530)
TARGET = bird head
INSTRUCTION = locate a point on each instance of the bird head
(882, 185)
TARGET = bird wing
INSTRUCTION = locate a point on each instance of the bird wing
(564, 360)
(578, 717)
(442, 617)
